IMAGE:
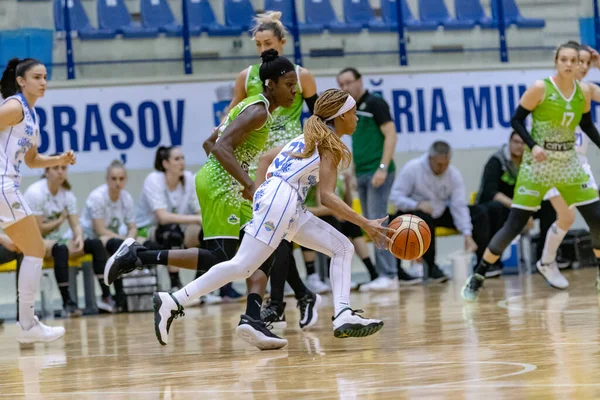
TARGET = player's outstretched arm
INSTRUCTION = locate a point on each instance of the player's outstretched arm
(328, 179)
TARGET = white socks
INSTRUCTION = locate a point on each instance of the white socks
(554, 238)
(30, 274)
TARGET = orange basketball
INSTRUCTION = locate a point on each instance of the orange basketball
(411, 238)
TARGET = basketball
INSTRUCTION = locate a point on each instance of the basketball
(411, 238)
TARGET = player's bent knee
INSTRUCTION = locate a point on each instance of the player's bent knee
(566, 218)
(94, 246)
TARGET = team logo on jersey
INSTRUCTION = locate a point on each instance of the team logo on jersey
(527, 192)
(553, 97)
(16, 205)
(568, 107)
(233, 219)
(269, 226)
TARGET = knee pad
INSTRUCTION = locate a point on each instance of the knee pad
(169, 236)
(112, 245)
(93, 246)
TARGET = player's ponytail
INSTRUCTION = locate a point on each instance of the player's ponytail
(318, 134)
(269, 21)
(14, 68)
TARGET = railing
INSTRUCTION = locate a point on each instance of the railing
(402, 52)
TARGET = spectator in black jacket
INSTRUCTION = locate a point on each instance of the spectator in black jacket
(496, 192)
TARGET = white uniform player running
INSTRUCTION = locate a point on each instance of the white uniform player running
(547, 265)
(23, 83)
(279, 213)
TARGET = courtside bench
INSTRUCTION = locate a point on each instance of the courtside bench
(48, 283)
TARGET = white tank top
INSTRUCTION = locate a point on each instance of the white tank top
(16, 140)
(582, 142)
(300, 173)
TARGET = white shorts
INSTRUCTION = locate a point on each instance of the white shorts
(592, 182)
(277, 213)
(13, 206)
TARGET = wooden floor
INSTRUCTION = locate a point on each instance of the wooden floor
(523, 340)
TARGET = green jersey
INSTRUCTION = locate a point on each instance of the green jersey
(212, 177)
(286, 121)
(553, 128)
(554, 122)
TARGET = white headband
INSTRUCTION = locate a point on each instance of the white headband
(344, 109)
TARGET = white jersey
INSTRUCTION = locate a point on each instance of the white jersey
(156, 196)
(300, 173)
(43, 202)
(15, 141)
(116, 214)
(582, 141)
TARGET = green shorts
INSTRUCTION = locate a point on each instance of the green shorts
(529, 194)
(224, 214)
(145, 231)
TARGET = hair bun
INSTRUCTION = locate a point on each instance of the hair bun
(574, 43)
(275, 15)
(269, 55)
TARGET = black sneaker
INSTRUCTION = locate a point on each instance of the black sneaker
(472, 286)
(436, 275)
(123, 261)
(258, 334)
(274, 314)
(70, 310)
(405, 279)
(494, 271)
(309, 305)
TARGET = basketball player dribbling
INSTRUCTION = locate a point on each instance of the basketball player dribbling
(278, 214)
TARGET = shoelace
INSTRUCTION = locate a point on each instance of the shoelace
(268, 325)
(178, 313)
(268, 312)
(303, 303)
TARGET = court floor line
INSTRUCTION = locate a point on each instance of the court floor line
(525, 368)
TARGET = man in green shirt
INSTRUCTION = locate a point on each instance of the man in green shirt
(373, 147)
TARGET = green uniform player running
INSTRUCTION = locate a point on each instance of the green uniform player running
(554, 122)
(558, 105)
(224, 209)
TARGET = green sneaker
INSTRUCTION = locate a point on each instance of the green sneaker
(470, 291)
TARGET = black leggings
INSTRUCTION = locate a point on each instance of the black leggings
(517, 219)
